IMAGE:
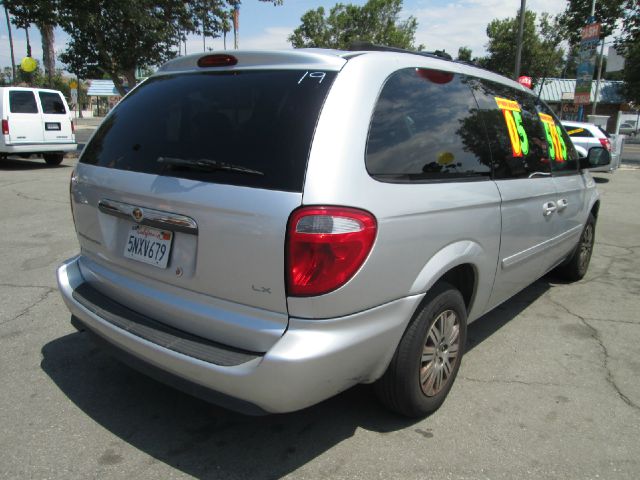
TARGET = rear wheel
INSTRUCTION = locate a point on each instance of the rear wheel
(578, 264)
(428, 357)
(53, 158)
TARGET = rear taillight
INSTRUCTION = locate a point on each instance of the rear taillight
(5, 127)
(325, 247)
(73, 128)
(605, 143)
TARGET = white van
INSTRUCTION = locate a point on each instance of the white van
(35, 120)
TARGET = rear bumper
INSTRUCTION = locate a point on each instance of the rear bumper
(40, 148)
(312, 361)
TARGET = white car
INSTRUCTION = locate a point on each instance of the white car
(587, 135)
(35, 121)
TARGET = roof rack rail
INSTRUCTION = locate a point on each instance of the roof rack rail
(368, 46)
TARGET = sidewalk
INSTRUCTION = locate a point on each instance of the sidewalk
(90, 123)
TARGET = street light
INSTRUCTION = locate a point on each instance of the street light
(523, 9)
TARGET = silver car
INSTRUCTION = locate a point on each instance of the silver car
(267, 229)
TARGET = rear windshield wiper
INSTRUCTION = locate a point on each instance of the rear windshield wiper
(207, 164)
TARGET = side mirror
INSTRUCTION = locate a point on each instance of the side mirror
(597, 157)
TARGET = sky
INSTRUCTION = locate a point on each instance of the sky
(442, 25)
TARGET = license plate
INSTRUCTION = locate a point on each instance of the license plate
(149, 245)
(51, 126)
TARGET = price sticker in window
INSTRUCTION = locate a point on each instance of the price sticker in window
(557, 147)
(513, 118)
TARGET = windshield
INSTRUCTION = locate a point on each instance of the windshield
(257, 120)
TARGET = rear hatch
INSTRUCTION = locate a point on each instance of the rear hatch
(23, 118)
(182, 196)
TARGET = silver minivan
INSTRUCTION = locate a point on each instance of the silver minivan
(267, 229)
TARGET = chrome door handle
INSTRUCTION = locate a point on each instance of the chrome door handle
(562, 204)
(548, 208)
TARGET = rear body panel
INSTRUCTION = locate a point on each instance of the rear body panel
(220, 265)
(224, 279)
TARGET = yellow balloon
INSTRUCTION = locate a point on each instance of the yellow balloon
(445, 158)
(28, 64)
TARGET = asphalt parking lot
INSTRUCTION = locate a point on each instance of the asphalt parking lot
(548, 388)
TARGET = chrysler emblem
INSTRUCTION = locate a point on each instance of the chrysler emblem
(137, 214)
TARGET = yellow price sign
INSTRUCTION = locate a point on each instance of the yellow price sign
(513, 118)
(557, 147)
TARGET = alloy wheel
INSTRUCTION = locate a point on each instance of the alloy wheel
(440, 353)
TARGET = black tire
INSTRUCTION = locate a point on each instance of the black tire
(53, 158)
(401, 388)
(575, 268)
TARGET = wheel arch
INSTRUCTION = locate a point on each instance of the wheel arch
(595, 209)
(461, 265)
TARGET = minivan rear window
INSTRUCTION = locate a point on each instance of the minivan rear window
(22, 101)
(52, 103)
(256, 126)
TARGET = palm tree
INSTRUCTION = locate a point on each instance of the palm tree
(13, 59)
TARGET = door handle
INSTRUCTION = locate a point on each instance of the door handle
(562, 204)
(548, 208)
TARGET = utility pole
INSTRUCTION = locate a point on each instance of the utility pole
(595, 98)
(204, 16)
(236, 25)
(523, 9)
(13, 59)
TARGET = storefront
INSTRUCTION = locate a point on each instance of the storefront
(103, 96)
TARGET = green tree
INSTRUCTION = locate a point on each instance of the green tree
(541, 56)
(377, 21)
(464, 54)
(117, 36)
(43, 14)
(6, 76)
(610, 14)
(628, 44)
(575, 16)
(631, 73)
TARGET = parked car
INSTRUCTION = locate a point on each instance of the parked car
(628, 128)
(587, 136)
(267, 229)
(35, 121)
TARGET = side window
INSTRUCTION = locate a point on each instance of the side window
(516, 134)
(578, 132)
(21, 101)
(425, 127)
(52, 103)
(564, 158)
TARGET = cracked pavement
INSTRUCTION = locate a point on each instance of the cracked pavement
(548, 388)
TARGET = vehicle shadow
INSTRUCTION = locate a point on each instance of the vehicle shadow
(206, 441)
(497, 318)
(601, 180)
(15, 164)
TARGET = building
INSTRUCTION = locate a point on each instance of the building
(558, 94)
(103, 96)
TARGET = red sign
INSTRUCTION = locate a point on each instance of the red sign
(582, 98)
(525, 81)
(590, 32)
